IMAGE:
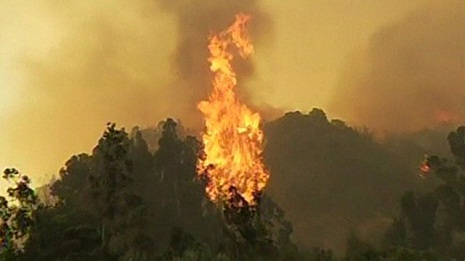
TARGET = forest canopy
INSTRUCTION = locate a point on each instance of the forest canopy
(335, 192)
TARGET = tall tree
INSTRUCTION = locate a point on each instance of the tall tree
(120, 208)
(180, 200)
(16, 213)
(436, 220)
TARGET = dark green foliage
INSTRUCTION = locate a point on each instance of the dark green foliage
(100, 214)
(318, 254)
(401, 254)
(68, 230)
(119, 207)
(421, 215)
(134, 200)
(436, 220)
(63, 234)
(276, 224)
(357, 250)
(16, 213)
(73, 185)
(396, 235)
(124, 203)
(137, 200)
(178, 195)
(246, 234)
(329, 177)
(457, 145)
(183, 246)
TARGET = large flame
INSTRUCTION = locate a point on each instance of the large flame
(233, 139)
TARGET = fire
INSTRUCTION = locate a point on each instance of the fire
(232, 163)
(446, 116)
(425, 167)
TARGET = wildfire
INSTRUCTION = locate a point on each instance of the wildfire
(425, 167)
(446, 116)
(232, 163)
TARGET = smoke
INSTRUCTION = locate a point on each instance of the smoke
(73, 66)
(79, 65)
(195, 21)
(411, 75)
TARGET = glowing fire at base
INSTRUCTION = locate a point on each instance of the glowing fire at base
(233, 139)
(425, 167)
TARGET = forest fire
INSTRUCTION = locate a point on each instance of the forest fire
(446, 116)
(425, 169)
(232, 163)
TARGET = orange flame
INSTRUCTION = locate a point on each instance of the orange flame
(233, 138)
(425, 167)
(446, 116)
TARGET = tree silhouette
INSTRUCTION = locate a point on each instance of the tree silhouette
(436, 220)
(16, 213)
(119, 208)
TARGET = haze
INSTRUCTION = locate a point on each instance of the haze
(68, 67)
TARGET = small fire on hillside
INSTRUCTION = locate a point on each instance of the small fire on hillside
(425, 167)
(446, 116)
(232, 163)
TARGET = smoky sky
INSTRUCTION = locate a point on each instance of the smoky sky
(411, 75)
(75, 66)
(195, 20)
(68, 67)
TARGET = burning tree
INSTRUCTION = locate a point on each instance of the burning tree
(233, 138)
(232, 164)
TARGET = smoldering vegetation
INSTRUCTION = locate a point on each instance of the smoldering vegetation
(410, 74)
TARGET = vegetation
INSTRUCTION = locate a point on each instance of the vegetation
(129, 200)
(16, 213)
(331, 178)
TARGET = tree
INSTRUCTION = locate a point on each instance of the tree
(109, 202)
(177, 192)
(435, 221)
(72, 186)
(340, 176)
(16, 213)
(120, 208)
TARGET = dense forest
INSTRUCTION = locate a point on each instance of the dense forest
(335, 193)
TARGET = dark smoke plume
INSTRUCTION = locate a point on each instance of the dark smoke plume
(83, 64)
(195, 21)
(411, 75)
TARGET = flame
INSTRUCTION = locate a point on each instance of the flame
(425, 167)
(232, 163)
(446, 116)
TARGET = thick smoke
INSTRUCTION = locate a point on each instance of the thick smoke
(411, 75)
(82, 64)
(195, 21)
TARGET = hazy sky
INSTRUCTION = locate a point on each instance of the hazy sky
(410, 74)
(68, 67)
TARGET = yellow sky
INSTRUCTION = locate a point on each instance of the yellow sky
(48, 113)
(313, 41)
